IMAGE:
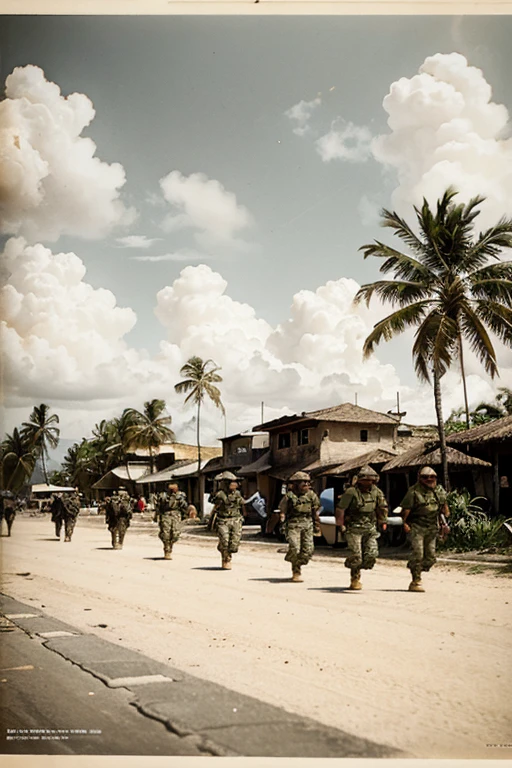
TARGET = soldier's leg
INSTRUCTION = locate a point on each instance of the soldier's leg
(175, 528)
(122, 528)
(223, 532)
(370, 549)
(429, 550)
(9, 520)
(69, 527)
(293, 540)
(164, 534)
(354, 559)
(58, 526)
(307, 544)
(235, 535)
(416, 539)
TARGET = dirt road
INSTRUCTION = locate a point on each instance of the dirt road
(427, 673)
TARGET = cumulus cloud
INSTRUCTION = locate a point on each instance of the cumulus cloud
(137, 241)
(446, 130)
(204, 205)
(51, 182)
(300, 114)
(349, 142)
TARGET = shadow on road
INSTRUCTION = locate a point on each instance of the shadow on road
(54, 538)
(285, 580)
(105, 549)
(161, 557)
(207, 568)
(330, 589)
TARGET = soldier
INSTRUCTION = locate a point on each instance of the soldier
(57, 512)
(422, 505)
(117, 516)
(299, 512)
(228, 506)
(9, 505)
(171, 505)
(70, 512)
(358, 512)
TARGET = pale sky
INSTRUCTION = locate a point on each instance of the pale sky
(238, 165)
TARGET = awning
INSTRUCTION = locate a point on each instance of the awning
(44, 488)
(127, 473)
(257, 467)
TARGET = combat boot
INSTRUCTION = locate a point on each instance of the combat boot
(168, 553)
(226, 562)
(416, 585)
(296, 575)
(355, 580)
(67, 538)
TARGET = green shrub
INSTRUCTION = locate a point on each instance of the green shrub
(470, 528)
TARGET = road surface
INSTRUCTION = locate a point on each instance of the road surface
(427, 674)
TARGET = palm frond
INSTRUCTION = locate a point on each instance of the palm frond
(394, 324)
(401, 292)
(474, 331)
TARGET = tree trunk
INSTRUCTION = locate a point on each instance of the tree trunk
(200, 500)
(440, 428)
(463, 374)
(43, 462)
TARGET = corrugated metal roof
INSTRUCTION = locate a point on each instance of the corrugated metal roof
(501, 429)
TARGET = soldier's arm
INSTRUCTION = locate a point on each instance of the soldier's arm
(341, 507)
(382, 511)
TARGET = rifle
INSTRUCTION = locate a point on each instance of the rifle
(444, 528)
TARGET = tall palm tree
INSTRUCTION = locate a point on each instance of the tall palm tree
(148, 429)
(41, 433)
(18, 460)
(200, 380)
(447, 287)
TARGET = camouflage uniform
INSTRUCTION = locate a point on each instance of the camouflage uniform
(228, 506)
(299, 510)
(169, 510)
(425, 505)
(8, 509)
(71, 505)
(117, 517)
(361, 510)
(60, 515)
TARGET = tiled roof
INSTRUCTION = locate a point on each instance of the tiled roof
(417, 457)
(346, 412)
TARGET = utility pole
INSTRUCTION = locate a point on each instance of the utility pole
(262, 409)
(355, 398)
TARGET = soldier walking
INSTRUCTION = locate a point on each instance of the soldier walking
(422, 506)
(118, 514)
(228, 506)
(358, 512)
(9, 505)
(64, 511)
(299, 512)
(171, 506)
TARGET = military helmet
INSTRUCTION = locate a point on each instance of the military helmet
(367, 473)
(298, 476)
(427, 472)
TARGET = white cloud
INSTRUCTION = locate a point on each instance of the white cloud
(204, 205)
(51, 182)
(137, 241)
(446, 130)
(301, 113)
(182, 255)
(63, 343)
(350, 142)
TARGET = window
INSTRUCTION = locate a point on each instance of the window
(241, 449)
(284, 440)
(363, 436)
(303, 437)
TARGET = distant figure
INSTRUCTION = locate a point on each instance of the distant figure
(171, 504)
(118, 514)
(422, 507)
(141, 504)
(228, 506)
(358, 511)
(64, 510)
(300, 511)
(9, 505)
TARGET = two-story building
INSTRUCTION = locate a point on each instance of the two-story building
(321, 442)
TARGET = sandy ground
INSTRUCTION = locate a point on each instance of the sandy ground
(427, 673)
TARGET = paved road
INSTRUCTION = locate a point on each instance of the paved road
(360, 664)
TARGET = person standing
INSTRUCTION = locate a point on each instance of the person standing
(9, 505)
(117, 516)
(57, 511)
(228, 506)
(299, 512)
(70, 512)
(358, 512)
(170, 507)
(422, 506)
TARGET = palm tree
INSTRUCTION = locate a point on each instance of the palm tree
(41, 433)
(200, 382)
(148, 429)
(18, 461)
(448, 288)
(504, 398)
